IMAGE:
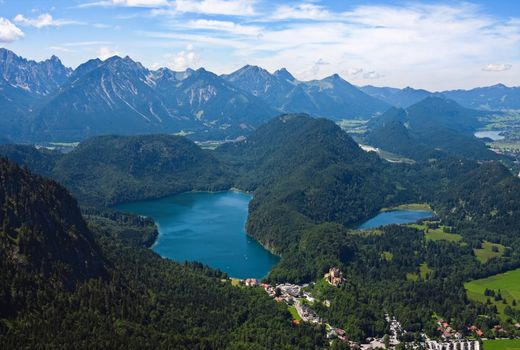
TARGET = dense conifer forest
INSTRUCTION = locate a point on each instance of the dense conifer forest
(65, 282)
(312, 186)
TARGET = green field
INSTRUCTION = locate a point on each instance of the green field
(294, 313)
(437, 234)
(424, 270)
(508, 283)
(410, 206)
(387, 256)
(502, 344)
(235, 281)
(486, 251)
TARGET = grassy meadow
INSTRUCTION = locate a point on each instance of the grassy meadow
(508, 283)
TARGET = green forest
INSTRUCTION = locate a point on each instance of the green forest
(312, 186)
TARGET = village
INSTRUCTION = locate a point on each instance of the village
(301, 299)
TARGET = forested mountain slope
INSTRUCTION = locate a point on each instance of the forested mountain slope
(432, 125)
(66, 285)
(312, 185)
(307, 171)
(107, 170)
(43, 239)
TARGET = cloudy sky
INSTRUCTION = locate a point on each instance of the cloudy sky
(423, 44)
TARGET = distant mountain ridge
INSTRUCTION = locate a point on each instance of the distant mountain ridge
(433, 125)
(39, 78)
(496, 97)
(331, 97)
(396, 97)
(489, 98)
(46, 101)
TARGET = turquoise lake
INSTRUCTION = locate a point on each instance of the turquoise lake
(395, 217)
(208, 227)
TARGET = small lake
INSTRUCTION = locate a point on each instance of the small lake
(208, 227)
(395, 217)
(492, 134)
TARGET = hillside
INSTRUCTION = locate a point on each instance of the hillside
(396, 97)
(488, 98)
(312, 185)
(64, 285)
(431, 126)
(43, 240)
(107, 170)
(306, 171)
(491, 98)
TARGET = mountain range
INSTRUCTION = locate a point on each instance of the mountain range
(46, 101)
(331, 97)
(490, 98)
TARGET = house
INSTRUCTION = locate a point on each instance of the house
(335, 276)
(251, 282)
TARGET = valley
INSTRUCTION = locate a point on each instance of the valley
(366, 211)
(299, 170)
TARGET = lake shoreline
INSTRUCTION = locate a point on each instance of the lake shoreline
(395, 217)
(208, 227)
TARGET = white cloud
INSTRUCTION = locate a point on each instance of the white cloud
(183, 60)
(438, 47)
(315, 69)
(428, 46)
(105, 52)
(494, 67)
(302, 11)
(87, 43)
(126, 3)
(226, 26)
(352, 72)
(210, 7)
(61, 49)
(372, 75)
(43, 20)
(175, 7)
(8, 31)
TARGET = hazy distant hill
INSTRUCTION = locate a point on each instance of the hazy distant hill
(396, 97)
(490, 98)
(38, 78)
(496, 97)
(434, 124)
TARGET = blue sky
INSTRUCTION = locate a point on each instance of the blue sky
(424, 44)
